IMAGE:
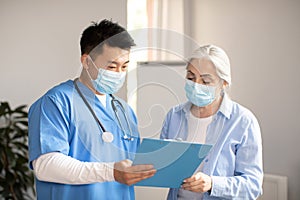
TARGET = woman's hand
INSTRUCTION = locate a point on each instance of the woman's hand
(199, 182)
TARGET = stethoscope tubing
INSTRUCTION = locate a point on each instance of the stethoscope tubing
(88, 105)
(118, 118)
(114, 109)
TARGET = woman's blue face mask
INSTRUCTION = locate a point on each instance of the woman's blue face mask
(199, 94)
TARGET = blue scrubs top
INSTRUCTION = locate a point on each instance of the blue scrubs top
(60, 122)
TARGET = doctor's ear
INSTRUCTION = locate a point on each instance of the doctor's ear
(85, 61)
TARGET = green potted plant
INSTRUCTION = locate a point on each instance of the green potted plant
(16, 179)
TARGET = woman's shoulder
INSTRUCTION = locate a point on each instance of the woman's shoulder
(181, 107)
(243, 112)
(179, 110)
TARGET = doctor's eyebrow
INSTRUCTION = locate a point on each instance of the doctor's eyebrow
(116, 63)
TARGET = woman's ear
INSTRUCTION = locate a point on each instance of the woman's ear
(84, 61)
(225, 84)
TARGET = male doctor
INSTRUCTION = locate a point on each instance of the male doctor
(81, 137)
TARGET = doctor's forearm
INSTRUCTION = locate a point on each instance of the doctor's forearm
(59, 168)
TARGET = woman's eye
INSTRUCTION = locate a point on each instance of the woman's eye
(206, 82)
(190, 77)
(111, 67)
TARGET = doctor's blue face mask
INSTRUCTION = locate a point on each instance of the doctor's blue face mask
(199, 94)
(107, 82)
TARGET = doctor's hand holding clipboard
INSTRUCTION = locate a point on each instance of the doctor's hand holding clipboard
(127, 174)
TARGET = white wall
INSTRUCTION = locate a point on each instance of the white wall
(40, 43)
(262, 39)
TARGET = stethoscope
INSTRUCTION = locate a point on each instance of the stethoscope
(106, 135)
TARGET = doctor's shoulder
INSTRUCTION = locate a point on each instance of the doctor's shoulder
(58, 94)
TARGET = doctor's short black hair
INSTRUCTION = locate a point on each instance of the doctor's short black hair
(105, 32)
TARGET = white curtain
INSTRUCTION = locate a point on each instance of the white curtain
(167, 16)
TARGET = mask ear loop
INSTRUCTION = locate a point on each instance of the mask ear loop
(95, 66)
(220, 83)
(226, 87)
(91, 80)
(86, 69)
(89, 57)
(88, 73)
(222, 92)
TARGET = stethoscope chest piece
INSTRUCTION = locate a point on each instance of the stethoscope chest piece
(107, 137)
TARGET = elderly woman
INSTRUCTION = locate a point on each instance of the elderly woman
(233, 168)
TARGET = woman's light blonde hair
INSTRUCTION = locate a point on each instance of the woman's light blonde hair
(218, 57)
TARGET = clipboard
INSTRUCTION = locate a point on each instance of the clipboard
(173, 160)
